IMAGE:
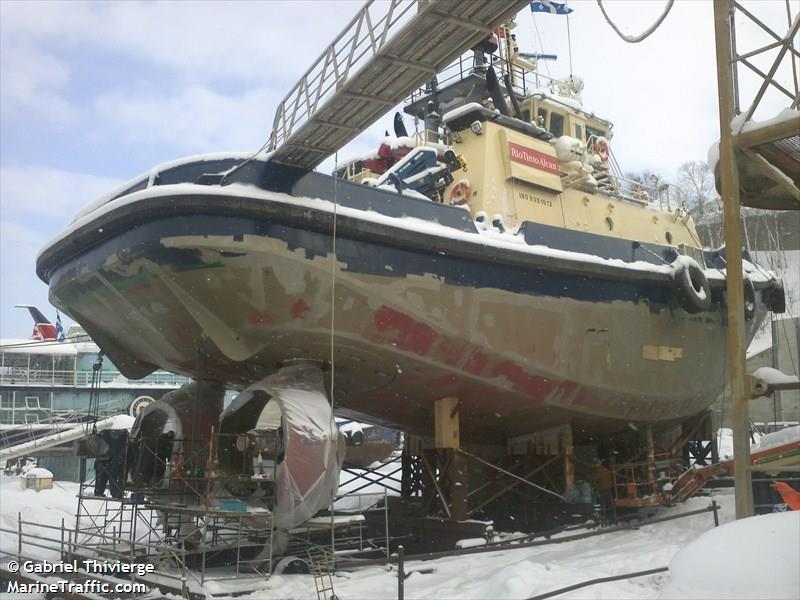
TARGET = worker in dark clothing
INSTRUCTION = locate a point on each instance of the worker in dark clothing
(165, 446)
(603, 487)
(109, 462)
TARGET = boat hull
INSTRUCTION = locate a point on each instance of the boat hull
(202, 287)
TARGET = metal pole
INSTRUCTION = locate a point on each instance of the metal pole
(386, 518)
(401, 575)
(729, 176)
(777, 406)
(716, 512)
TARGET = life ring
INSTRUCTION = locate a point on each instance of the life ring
(601, 149)
(691, 286)
(749, 299)
(461, 193)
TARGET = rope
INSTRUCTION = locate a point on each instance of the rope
(94, 398)
(635, 39)
(333, 272)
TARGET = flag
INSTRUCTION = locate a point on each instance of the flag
(548, 6)
(59, 328)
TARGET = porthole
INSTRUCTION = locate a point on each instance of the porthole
(669, 237)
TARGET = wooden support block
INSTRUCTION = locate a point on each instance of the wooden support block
(569, 457)
(459, 488)
(446, 433)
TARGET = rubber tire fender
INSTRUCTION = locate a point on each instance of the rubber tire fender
(691, 286)
(357, 438)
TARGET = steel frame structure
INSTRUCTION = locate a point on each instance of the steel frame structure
(728, 59)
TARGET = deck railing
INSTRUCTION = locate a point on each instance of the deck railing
(25, 376)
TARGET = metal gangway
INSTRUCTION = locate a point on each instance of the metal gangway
(385, 53)
(62, 433)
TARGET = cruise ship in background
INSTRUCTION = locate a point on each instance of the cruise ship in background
(49, 383)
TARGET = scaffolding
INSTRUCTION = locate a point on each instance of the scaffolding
(775, 152)
(182, 519)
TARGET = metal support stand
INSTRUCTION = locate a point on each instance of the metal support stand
(729, 175)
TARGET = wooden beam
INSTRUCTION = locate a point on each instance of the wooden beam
(765, 135)
(729, 176)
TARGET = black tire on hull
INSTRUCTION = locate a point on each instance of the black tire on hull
(691, 287)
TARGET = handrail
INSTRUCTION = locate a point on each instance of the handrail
(334, 65)
(83, 378)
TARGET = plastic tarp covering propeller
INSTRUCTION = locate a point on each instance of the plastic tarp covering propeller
(307, 476)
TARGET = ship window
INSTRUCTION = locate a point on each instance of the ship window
(542, 118)
(591, 131)
(557, 124)
(579, 132)
(526, 116)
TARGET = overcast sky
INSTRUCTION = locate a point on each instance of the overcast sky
(92, 94)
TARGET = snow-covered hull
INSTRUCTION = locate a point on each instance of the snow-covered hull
(229, 283)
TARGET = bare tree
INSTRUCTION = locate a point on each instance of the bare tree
(696, 181)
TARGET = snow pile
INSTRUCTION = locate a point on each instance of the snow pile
(778, 438)
(772, 376)
(739, 125)
(39, 473)
(725, 442)
(47, 508)
(750, 558)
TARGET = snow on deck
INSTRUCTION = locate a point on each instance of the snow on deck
(504, 241)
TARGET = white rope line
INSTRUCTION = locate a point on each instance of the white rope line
(635, 39)
(333, 271)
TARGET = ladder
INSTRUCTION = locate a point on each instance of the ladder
(320, 563)
(384, 54)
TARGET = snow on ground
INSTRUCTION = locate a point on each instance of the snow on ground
(751, 558)
(525, 572)
(517, 573)
(46, 507)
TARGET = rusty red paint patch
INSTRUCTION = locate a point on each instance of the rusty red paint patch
(259, 317)
(395, 328)
(537, 387)
(476, 363)
(450, 351)
(299, 308)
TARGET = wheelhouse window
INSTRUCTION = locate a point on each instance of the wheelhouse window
(579, 132)
(557, 124)
(541, 118)
(591, 131)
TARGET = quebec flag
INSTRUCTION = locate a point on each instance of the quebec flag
(547, 6)
(59, 328)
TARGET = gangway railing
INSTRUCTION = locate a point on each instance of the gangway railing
(372, 65)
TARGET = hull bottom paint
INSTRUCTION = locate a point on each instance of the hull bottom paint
(523, 346)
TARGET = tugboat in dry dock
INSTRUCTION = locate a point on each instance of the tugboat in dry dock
(496, 257)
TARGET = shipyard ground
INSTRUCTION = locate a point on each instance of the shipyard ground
(518, 573)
